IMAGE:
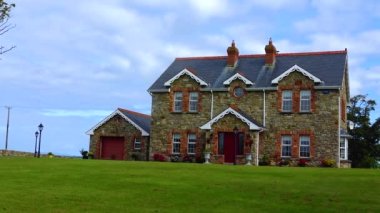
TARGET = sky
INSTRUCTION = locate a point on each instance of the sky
(75, 62)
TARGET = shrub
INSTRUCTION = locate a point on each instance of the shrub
(188, 158)
(303, 162)
(284, 162)
(159, 157)
(327, 163)
(84, 154)
(199, 159)
(90, 155)
(175, 158)
(264, 161)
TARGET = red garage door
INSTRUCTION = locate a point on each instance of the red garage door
(113, 148)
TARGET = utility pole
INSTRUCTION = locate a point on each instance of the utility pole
(6, 133)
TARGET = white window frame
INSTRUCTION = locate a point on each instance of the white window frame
(344, 148)
(178, 97)
(137, 141)
(305, 100)
(176, 141)
(191, 142)
(285, 138)
(287, 97)
(304, 138)
(193, 101)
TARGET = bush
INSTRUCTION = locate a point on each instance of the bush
(328, 163)
(84, 154)
(175, 158)
(159, 157)
(199, 159)
(264, 161)
(284, 162)
(303, 162)
(188, 158)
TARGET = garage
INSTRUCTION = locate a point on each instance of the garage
(112, 148)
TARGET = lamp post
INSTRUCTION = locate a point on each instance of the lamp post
(40, 128)
(35, 144)
(236, 131)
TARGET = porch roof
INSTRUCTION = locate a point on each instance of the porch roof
(244, 117)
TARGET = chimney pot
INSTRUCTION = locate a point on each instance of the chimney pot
(232, 54)
(270, 53)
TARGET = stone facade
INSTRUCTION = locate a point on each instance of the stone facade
(117, 126)
(321, 124)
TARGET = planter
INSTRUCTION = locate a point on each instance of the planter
(248, 158)
(207, 157)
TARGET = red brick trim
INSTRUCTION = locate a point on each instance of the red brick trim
(296, 91)
(183, 138)
(185, 99)
(295, 142)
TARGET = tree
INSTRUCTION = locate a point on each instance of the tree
(364, 148)
(5, 10)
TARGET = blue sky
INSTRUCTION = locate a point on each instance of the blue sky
(77, 61)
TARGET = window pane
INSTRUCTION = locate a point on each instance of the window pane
(221, 143)
(343, 149)
(304, 146)
(192, 138)
(287, 101)
(178, 101)
(193, 102)
(286, 144)
(176, 143)
(137, 144)
(305, 100)
(240, 148)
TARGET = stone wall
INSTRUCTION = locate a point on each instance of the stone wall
(321, 124)
(117, 126)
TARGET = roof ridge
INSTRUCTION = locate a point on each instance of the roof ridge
(135, 113)
(331, 52)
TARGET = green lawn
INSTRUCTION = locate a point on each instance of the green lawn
(75, 185)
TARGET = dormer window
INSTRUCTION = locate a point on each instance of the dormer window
(178, 102)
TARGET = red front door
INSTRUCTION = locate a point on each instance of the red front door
(229, 147)
(113, 148)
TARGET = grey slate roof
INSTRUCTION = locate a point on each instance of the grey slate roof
(140, 119)
(327, 66)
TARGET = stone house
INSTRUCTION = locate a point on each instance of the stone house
(123, 135)
(276, 106)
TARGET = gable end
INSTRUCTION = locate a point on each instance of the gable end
(298, 69)
(185, 72)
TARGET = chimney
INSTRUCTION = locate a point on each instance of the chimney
(233, 55)
(270, 53)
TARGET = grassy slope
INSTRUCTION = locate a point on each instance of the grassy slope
(74, 185)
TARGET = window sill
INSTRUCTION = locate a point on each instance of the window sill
(192, 112)
(286, 113)
(176, 112)
(309, 112)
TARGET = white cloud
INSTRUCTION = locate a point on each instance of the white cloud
(211, 8)
(75, 113)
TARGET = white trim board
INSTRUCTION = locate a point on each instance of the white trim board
(185, 72)
(298, 69)
(117, 112)
(251, 125)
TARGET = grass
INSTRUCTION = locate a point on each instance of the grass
(75, 185)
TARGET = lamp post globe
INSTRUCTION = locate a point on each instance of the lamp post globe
(40, 128)
(35, 144)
